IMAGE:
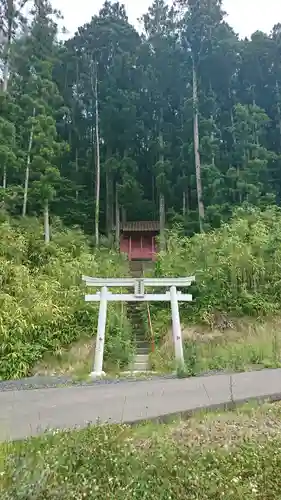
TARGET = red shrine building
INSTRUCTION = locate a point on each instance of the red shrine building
(138, 240)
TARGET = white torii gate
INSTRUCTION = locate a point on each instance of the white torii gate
(139, 295)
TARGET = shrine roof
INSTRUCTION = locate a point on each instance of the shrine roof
(139, 226)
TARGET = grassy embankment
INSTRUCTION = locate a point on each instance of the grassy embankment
(234, 322)
(42, 308)
(230, 455)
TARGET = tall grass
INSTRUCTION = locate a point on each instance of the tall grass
(42, 306)
(248, 345)
(237, 268)
(238, 275)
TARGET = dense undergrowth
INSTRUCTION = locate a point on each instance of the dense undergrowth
(42, 306)
(237, 270)
(234, 321)
(232, 455)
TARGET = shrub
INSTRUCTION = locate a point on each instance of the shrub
(42, 306)
(237, 267)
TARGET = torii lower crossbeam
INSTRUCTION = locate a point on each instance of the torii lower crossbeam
(130, 297)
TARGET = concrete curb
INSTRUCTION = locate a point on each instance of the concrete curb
(227, 406)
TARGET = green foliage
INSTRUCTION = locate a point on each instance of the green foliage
(119, 347)
(117, 462)
(145, 98)
(42, 298)
(237, 274)
(236, 266)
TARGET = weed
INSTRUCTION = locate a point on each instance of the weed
(42, 298)
(236, 269)
(246, 346)
(228, 455)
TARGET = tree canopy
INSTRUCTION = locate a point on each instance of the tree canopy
(181, 121)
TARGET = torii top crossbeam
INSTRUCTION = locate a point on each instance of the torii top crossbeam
(139, 284)
(127, 282)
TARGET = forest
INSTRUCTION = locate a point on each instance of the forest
(180, 122)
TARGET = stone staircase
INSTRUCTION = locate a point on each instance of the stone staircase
(135, 313)
(141, 361)
(136, 268)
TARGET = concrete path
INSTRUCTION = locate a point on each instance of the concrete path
(27, 413)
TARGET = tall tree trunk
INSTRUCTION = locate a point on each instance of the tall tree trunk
(27, 169)
(278, 111)
(117, 219)
(11, 13)
(6, 71)
(162, 221)
(232, 126)
(196, 149)
(256, 137)
(233, 133)
(212, 140)
(46, 222)
(232, 117)
(109, 203)
(76, 172)
(161, 194)
(184, 203)
(213, 124)
(153, 189)
(4, 184)
(7, 48)
(109, 197)
(74, 130)
(97, 208)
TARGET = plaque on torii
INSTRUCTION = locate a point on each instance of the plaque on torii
(139, 294)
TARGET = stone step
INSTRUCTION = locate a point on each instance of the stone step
(142, 344)
(135, 274)
(142, 347)
(139, 367)
(141, 339)
(142, 350)
(141, 358)
(140, 363)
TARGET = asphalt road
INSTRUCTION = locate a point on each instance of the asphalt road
(26, 413)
